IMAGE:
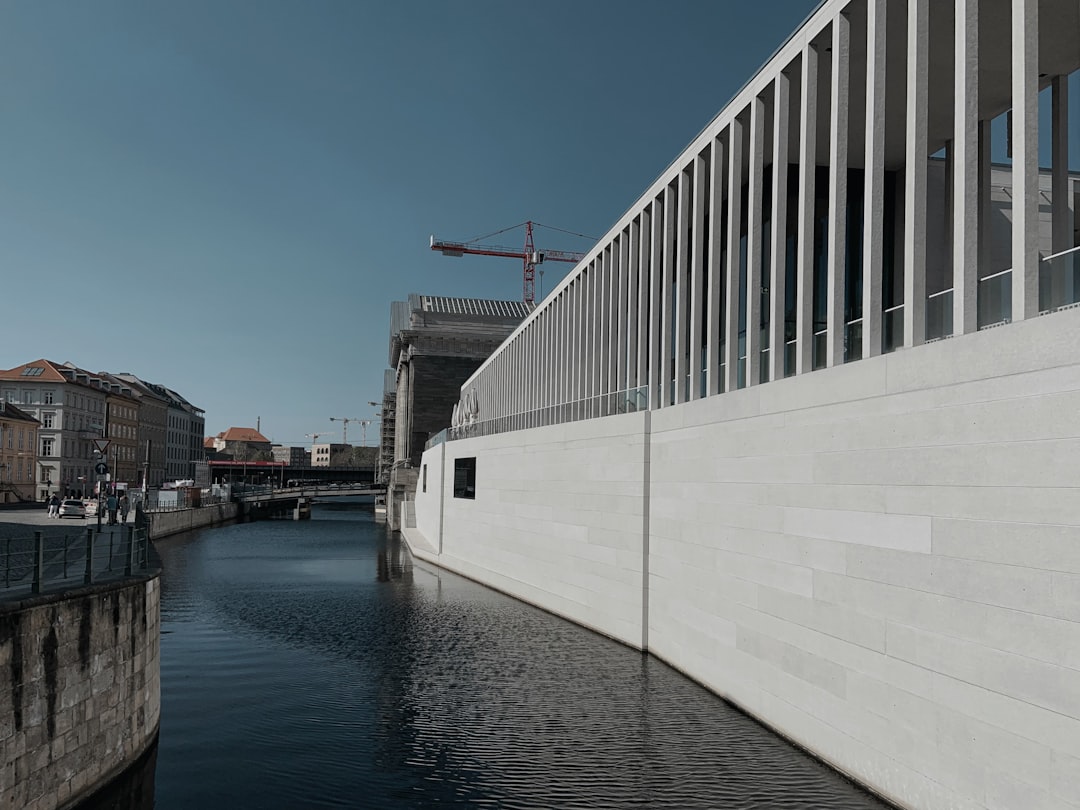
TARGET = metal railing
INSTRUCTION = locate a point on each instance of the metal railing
(34, 563)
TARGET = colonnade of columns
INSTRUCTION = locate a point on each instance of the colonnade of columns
(797, 231)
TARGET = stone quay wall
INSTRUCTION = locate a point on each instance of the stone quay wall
(79, 690)
(163, 524)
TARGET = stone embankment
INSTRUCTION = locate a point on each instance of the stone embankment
(164, 524)
(79, 690)
(79, 676)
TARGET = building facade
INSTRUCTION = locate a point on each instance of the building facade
(18, 454)
(435, 344)
(153, 431)
(802, 423)
(69, 403)
(869, 202)
(292, 456)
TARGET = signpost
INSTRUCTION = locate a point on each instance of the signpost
(102, 470)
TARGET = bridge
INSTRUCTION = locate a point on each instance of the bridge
(266, 501)
(280, 474)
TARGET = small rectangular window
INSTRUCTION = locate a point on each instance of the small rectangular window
(425, 478)
(465, 478)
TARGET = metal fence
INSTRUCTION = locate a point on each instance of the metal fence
(630, 400)
(35, 563)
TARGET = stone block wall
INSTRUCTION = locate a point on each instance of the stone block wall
(163, 524)
(79, 691)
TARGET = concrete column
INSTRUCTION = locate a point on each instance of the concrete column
(633, 320)
(874, 177)
(1025, 143)
(838, 169)
(603, 317)
(682, 294)
(598, 330)
(753, 241)
(588, 325)
(734, 224)
(713, 382)
(918, 83)
(656, 302)
(643, 297)
(621, 330)
(985, 240)
(804, 316)
(965, 166)
(778, 269)
(697, 260)
(668, 306)
(1060, 197)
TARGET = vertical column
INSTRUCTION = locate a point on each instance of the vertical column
(682, 294)
(657, 299)
(588, 326)
(965, 164)
(603, 318)
(874, 177)
(838, 169)
(716, 270)
(734, 224)
(918, 83)
(643, 297)
(621, 331)
(1061, 200)
(697, 259)
(633, 320)
(753, 241)
(804, 315)
(598, 330)
(778, 270)
(1025, 139)
(668, 306)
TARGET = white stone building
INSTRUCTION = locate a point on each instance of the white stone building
(803, 422)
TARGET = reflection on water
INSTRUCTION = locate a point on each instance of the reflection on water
(314, 664)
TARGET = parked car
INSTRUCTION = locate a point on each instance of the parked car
(91, 507)
(72, 508)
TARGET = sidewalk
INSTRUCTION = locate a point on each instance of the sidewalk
(24, 522)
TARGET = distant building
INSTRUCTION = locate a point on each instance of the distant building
(322, 453)
(241, 443)
(387, 422)
(18, 453)
(293, 456)
(436, 344)
(70, 404)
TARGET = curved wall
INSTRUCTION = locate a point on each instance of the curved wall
(81, 696)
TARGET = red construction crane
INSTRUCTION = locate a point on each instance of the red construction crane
(530, 255)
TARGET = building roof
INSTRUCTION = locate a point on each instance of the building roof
(474, 306)
(242, 434)
(9, 411)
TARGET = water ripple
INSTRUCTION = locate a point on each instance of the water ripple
(313, 664)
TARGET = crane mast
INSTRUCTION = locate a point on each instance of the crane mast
(530, 256)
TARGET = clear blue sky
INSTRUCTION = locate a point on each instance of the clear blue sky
(224, 197)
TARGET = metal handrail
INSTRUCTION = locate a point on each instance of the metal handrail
(32, 564)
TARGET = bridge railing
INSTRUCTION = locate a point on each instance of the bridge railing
(33, 563)
(630, 400)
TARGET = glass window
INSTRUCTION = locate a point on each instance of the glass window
(465, 478)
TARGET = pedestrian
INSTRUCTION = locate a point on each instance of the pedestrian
(54, 506)
(123, 508)
(111, 505)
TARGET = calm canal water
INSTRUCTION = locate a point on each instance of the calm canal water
(315, 664)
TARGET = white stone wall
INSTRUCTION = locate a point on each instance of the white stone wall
(557, 519)
(880, 560)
